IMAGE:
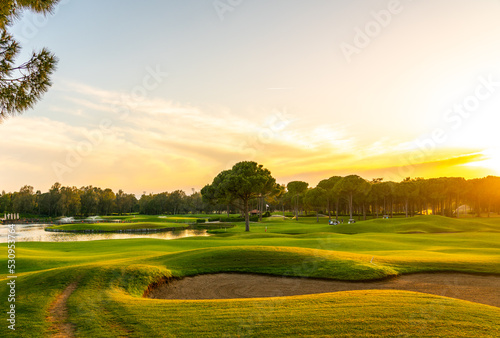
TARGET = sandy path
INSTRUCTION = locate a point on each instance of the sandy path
(59, 313)
(479, 289)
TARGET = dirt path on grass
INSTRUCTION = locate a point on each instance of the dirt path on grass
(474, 288)
(59, 314)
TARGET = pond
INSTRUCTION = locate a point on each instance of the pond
(36, 233)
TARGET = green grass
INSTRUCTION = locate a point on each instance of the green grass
(134, 222)
(153, 218)
(428, 224)
(116, 226)
(113, 275)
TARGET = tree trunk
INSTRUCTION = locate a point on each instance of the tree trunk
(337, 210)
(450, 206)
(328, 207)
(297, 208)
(350, 206)
(261, 206)
(247, 219)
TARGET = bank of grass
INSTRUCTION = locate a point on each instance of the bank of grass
(399, 225)
(153, 218)
(116, 226)
(113, 274)
(133, 222)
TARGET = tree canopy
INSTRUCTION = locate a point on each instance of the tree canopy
(350, 186)
(296, 190)
(245, 181)
(314, 198)
(21, 86)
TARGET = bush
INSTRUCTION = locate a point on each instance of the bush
(201, 220)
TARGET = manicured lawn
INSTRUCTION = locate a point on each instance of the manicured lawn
(117, 226)
(113, 274)
(134, 222)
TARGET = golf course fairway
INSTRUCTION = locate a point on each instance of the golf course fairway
(97, 288)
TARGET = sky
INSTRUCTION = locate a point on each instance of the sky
(152, 96)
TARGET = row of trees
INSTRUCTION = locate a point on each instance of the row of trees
(250, 186)
(176, 202)
(90, 201)
(67, 201)
(446, 196)
(350, 195)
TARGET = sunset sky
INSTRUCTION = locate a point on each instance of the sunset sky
(162, 95)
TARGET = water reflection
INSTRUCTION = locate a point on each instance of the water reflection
(36, 233)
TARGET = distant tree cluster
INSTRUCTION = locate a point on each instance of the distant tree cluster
(352, 195)
(67, 201)
(91, 201)
(176, 202)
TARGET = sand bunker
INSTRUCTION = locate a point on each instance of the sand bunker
(479, 289)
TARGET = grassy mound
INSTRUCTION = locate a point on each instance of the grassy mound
(421, 224)
(344, 314)
(282, 261)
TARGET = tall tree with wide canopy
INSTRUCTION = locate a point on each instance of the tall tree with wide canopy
(245, 181)
(23, 85)
(296, 189)
(405, 190)
(331, 194)
(316, 198)
(278, 197)
(350, 186)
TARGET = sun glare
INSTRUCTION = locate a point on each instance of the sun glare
(491, 161)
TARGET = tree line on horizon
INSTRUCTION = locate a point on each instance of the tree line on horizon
(92, 201)
(352, 195)
(232, 191)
